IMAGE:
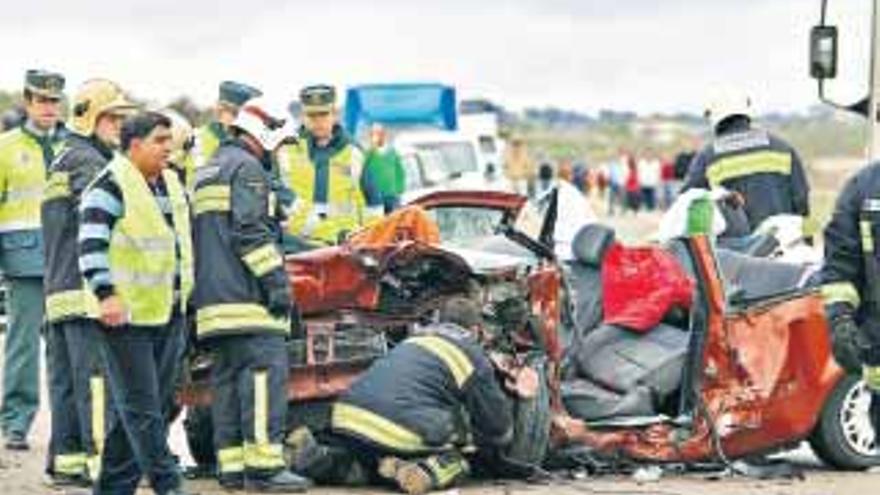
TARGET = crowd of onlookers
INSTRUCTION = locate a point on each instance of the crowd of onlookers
(628, 182)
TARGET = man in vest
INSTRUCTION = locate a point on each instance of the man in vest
(762, 168)
(25, 154)
(324, 170)
(76, 387)
(243, 301)
(135, 253)
(208, 137)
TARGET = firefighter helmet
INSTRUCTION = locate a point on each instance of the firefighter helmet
(94, 98)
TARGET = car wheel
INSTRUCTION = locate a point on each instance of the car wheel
(199, 429)
(844, 437)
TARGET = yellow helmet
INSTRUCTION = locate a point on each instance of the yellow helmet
(93, 98)
(182, 136)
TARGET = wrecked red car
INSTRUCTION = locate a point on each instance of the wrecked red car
(745, 370)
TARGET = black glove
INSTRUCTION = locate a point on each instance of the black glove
(847, 342)
(276, 293)
(279, 302)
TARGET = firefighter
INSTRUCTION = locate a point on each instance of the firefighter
(406, 431)
(324, 171)
(851, 281)
(243, 301)
(135, 253)
(761, 167)
(76, 387)
(208, 138)
(25, 154)
(182, 158)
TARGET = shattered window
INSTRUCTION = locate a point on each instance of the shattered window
(461, 226)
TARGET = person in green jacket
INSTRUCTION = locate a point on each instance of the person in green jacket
(383, 179)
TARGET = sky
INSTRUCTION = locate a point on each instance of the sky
(642, 55)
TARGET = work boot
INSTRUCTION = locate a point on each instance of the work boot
(301, 448)
(283, 481)
(58, 480)
(16, 441)
(410, 477)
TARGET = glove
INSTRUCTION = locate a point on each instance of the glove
(871, 376)
(847, 343)
(276, 293)
(279, 302)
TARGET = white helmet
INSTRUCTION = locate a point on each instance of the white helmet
(727, 104)
(182, 135)
(271, 125)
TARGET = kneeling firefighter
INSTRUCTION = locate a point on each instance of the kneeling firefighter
(243, 300)
(409, 430)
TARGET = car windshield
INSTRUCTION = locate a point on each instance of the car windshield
(465, 226)
(456, 158)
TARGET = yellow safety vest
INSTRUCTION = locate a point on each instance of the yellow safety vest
(22, 181)
(143, 260)
(345, 209)
(206, 145)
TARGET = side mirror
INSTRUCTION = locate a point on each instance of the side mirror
(823, 52)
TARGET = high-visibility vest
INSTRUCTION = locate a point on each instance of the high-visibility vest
(207, 143)
(143, 258)
(345, 209)
(22, 181)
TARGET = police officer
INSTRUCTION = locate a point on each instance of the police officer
(764, 169)
(76, 387)
(851, 280)
(135, 253)
(243, 300)
(402, 429)
(208, 137)
(324, 170)
(25, 154)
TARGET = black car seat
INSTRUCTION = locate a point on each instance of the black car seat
(750, 279)
(589, 247)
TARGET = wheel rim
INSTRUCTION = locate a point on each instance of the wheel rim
(855, 421)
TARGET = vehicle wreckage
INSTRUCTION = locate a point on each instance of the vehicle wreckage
(744, 370)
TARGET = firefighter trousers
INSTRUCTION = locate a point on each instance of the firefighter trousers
(249, 380)
(77, 394)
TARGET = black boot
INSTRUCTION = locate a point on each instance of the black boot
(283, 481)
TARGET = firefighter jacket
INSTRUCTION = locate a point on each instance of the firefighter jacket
(412, 400)
(79, 162)
(238, 247)
(851, 250)
(761, 167)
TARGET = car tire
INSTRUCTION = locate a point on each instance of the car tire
(840, 438)
(199, 429)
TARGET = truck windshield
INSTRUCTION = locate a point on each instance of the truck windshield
(455, 158)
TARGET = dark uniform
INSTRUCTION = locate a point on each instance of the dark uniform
(75, 383)
(765, 170)
(243, 302)
(851, 280)
(413, 404)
